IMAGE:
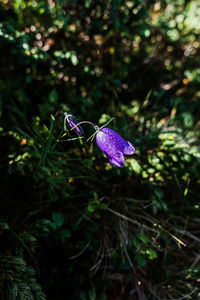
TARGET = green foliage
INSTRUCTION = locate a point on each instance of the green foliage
(70, 223)
(18, 280)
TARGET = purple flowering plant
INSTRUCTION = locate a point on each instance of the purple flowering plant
(110, 143)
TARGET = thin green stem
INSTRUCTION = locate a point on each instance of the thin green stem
(82, 122)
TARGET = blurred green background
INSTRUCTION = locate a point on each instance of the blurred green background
(72, 226)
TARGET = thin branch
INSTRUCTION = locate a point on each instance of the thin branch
(130, 220)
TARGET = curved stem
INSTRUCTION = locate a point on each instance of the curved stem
(88, 122)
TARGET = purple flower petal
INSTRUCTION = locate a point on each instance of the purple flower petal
(117, 159)
(72, 122)
(129, 149)
(114, 146)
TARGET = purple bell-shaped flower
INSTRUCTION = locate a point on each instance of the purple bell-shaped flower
(113, 146)
(72, 122)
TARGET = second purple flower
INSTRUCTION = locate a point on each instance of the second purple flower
(72, 122)
(113, 146)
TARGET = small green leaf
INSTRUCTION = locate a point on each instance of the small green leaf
(52, 117)
(151, 253)
(58, 219)
(90, 208)
(141, 260)
(135, 242)
(64, 234)
(53, 96)
(144, 238)
(102, 206)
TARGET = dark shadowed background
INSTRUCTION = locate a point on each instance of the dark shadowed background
(72, 226)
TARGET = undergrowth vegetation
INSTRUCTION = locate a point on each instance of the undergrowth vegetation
(70, 223)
